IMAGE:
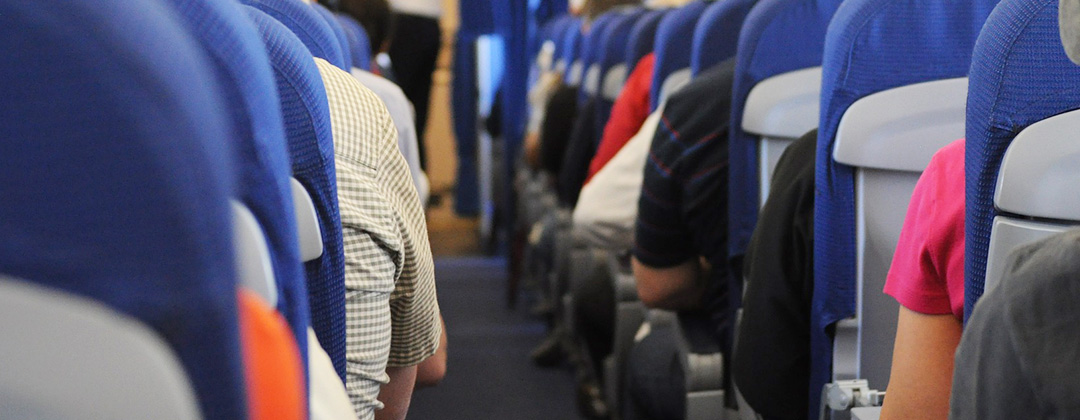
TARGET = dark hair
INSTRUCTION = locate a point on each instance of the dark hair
(376, 18)
(594, 8)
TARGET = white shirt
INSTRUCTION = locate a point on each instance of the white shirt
(607, 207)
(401, 111)
(427, 8)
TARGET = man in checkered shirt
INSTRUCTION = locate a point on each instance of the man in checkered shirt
(392, 316)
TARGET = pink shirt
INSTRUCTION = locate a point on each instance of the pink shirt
(927, 272)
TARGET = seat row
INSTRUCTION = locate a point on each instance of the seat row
(171, 244)
(886, 84)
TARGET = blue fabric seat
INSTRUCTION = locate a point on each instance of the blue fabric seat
(592, 46)
(116, 179)
(311, 146)
(313, 30)
(778, 36)
(262, 166)
(571, 49)
(359, 43)
(339, 33)
(897, 43)
(642, 38)
(612, 62)
(1020, 75)
(716, 36)
(673, 41)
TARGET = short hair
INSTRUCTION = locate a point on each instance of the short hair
(376, 18)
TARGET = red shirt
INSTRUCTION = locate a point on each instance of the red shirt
(629, 112)
(927, 272)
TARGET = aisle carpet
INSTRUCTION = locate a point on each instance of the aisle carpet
(489, 375)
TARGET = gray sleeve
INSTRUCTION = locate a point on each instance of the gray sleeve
(988, 381)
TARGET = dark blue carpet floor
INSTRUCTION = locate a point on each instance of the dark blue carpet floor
(489, 375)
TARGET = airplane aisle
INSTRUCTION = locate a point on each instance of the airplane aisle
(489, 375)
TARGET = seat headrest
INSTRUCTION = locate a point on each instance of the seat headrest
(262, 160)
(311, 145)
(359, 43)
(672, 45)
(1020, 75)
(314, 31)
(717, 33)
(115, 176)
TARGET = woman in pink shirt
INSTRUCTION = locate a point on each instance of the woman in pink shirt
(927, 278)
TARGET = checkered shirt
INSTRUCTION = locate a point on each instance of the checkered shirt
(392, 316)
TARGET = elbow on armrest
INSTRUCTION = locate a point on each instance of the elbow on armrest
(673, 288)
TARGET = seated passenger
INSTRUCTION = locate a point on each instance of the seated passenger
(392, 316)
(1018, 356)
(680, 247)
(927, 278)
(377, 19)
(771, 365)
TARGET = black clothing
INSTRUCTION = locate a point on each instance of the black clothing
(559, 115)
(772, 355)
(413, 53)
(580, 150)
(683, 205)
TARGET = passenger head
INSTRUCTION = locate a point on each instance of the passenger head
(376, 18)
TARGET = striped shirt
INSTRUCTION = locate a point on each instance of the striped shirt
(682, 212)
(392, 316)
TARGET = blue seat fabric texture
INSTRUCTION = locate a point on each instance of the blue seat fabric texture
(615, 38)
(313, 30)
(306, 115)
(872, 45)
(716, 36)
(643, 37)
(778, 36)
(359, 43)
(1020, 75)
(258, 138)
(591, 48)
(339, 34)
(115, 166)
(571, 47)
(673, 41)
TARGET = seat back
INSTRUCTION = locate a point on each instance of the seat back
(613, 69)
(889, 138)
(643, 37)
(674, 37)
(116, 180)
(261, 162)
(565, 47)
(313, 30)
(339, 33)
(592, 48)
(1036, 189)
(570, 60)
(1020, 75)
(359, 43)
(778, 111)
(777, 37)
(311, 146)
(862, 196)
(717, 33)
(125, 370)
